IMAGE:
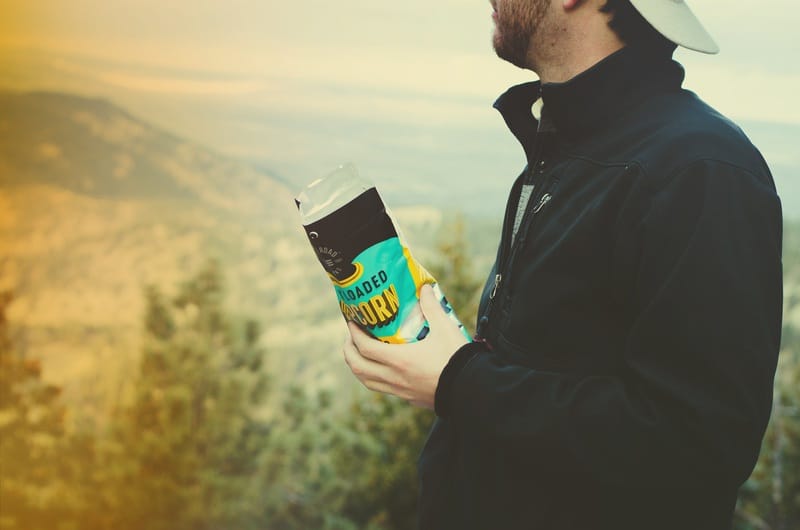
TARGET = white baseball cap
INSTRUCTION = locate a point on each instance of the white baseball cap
(675, 20)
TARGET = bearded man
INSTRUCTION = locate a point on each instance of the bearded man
(628, 334)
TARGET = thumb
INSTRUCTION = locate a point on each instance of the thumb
(432, 307)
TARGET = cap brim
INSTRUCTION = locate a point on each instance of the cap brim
(676, 21)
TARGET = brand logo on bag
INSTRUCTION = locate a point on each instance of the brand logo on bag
(339, 268)
(353, 278)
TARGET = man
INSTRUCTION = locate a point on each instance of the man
(628, 334)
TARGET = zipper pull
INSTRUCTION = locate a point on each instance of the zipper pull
(485, 342)
(544, 200)
(479, 332)
(497, 279)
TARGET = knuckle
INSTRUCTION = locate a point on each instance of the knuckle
(402, 364)
(399, 383)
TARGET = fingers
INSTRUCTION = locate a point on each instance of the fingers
(444, 331)
(432, 307)
(371, 347)
(372, 374)
(408, 371)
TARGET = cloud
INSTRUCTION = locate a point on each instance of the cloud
(165, 85)
(399, 60)
(161, 84)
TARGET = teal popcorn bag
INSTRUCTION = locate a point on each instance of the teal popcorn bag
(376, 279)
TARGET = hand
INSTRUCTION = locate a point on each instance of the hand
(409, 371)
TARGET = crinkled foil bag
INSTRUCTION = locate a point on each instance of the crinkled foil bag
(376, 279)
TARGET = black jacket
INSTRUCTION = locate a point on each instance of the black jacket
(625, 376)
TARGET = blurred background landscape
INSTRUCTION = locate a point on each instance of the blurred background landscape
(170, 348)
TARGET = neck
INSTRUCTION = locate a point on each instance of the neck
(571, 45)
(562, 71)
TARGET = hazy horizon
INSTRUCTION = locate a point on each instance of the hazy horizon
(403, 90)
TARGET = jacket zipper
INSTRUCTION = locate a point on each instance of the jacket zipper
(540, 198)
(504, 244)
(498, 277)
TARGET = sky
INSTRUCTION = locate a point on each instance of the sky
(298, 85)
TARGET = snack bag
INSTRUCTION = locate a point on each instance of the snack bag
(377, 281)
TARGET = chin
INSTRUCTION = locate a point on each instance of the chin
(512, 50)
(518, 60)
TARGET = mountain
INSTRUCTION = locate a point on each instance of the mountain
(95, 204)
(91, 147)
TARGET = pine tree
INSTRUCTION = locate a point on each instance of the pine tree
(300, 485)
(771, 497)
(454, 271)
(33, 489)
(183, 455)
(379, 463)
(348, 471)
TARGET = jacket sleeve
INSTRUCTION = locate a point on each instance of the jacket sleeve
(693, 392)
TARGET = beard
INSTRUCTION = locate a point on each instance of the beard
(516, 24)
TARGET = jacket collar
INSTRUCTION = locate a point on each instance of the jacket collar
(591, 99)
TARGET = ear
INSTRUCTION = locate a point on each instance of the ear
(569, 5)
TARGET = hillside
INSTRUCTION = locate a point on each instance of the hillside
(95, 205)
